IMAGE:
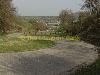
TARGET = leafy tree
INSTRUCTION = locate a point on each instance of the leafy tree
(78, 23)
(7, 13)
(91, 24)
(66, 18)
(93, 6)
(38, 25)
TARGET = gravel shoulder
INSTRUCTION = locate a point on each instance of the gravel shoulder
(52, 61)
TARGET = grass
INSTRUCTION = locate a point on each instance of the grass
(52, 38)
(15, 44)
(18, 42)
(92, 69)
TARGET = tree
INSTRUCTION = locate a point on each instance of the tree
(7, 13)
(66, 18)
(78, 23)
(91, 24)
(38, 25)
(93, 6)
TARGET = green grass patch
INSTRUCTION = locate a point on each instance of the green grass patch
(52, 38)
(18, 42)
(14, 44)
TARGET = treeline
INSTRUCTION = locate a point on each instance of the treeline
(86, 25)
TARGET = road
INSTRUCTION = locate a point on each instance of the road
(52, 61)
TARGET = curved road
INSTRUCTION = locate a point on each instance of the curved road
(52, 61)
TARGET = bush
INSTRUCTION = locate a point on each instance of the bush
(90, 30)
(92, 69)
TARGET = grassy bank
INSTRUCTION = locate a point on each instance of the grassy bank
(15, 44)
(52, 38)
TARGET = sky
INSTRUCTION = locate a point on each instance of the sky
(45, 7)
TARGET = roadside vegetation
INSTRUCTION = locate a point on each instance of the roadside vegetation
(89, 31)
(52, 38)
(92, 69)
(16, 44)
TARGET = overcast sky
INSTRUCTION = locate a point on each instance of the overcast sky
(45, 7)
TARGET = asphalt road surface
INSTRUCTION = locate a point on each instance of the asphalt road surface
(52, 61)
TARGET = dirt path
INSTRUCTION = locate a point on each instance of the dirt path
(53, 61)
